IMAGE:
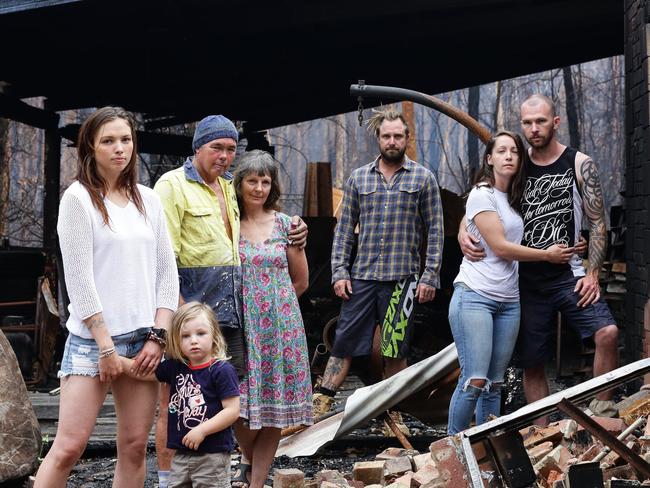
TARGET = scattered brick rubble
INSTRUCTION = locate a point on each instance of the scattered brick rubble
(562, 455)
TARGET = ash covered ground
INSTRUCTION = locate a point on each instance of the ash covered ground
(362, 444)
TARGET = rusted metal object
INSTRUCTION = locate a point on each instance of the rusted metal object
(401, 94)
(398, 433)
(605, 437)
(621, 437)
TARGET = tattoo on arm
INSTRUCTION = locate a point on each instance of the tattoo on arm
(332, 370)
(97, 322)
(592, 195)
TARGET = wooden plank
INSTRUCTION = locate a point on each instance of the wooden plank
(46, 407)
(317, 200)
(337, 200)
(325, 202)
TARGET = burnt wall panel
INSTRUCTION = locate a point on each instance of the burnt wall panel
(637, 118)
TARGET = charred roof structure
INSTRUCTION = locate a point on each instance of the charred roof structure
(275, 63)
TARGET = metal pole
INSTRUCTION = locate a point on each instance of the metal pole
(401, 94)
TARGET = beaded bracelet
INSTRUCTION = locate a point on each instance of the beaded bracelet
(106, 352)
(152, 336)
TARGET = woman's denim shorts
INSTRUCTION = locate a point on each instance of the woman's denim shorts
(81, 356)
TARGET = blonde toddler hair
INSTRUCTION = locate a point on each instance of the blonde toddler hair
(184, 314)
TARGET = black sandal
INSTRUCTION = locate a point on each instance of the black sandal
(241, 480)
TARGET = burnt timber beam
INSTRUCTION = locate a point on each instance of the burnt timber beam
(15, 109)
(52, 186)
(167, 121)
(148, 142)
(605, 437)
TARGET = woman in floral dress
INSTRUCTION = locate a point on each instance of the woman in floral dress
(276, 391)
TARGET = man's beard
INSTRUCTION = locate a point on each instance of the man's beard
(393, 156)
(543, 142)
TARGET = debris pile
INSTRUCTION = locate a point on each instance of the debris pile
(565, 451)
(393, 468)
(568, 453)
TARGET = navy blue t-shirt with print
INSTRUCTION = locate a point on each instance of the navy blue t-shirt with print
(195, 396)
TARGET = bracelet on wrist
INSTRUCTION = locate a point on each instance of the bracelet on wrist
(104, 353)
(158, 336)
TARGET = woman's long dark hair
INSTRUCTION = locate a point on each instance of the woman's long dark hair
(87, 173)
(485, 174)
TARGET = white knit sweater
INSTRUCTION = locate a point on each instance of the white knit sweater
(126, 271)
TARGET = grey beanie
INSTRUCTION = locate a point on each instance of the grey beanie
(213, 127)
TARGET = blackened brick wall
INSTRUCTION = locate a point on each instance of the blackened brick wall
(637, 183)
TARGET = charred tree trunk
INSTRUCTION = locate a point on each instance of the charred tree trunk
(498, 110)
(571, 108)
(472, 140)
(5, 175)
(52, 177)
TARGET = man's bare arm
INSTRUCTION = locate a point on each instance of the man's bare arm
(594, 207)
(469, 243)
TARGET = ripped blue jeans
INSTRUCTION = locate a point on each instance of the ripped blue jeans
(485, 332)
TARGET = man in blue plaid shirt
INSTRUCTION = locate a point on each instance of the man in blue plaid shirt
(396, 203)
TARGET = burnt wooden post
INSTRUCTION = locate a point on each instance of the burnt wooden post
(571, 107)
(52, 177)
(408, 111)
(318, 191)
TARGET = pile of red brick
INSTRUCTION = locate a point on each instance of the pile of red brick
(393, 468)
(561, 452)
(554, 449)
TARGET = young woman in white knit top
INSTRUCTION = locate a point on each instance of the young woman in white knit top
(122, 281)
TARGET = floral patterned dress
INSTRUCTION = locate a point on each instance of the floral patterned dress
(276, 391)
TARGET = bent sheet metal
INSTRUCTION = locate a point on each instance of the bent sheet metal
(369, 402)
